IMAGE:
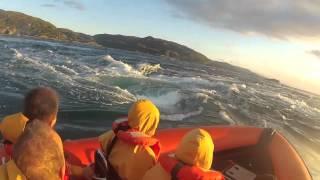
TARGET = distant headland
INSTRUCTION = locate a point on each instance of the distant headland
(19, 24)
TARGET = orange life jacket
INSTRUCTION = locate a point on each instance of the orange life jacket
(180, 171)
(132, 136)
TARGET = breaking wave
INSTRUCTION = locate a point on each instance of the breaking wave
(147, 69)
(117, 67)
(180, 117)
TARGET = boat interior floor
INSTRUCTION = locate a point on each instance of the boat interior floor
(252, 158)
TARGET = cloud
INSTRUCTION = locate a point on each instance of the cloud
(48, 5)
(75, 4)
(282, 19)
(315, 52)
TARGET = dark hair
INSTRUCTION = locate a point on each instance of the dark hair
(41, 103)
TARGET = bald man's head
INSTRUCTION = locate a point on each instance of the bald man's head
(39, 152)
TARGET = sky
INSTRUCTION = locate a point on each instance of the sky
(275, 38)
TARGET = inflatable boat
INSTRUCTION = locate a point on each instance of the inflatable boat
(241, 153)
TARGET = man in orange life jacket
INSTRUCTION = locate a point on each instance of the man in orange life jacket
(40, 103)
(191, 160)
(37, 155)
(130, 147)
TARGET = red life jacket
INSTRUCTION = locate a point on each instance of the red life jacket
(180, 171)
(132, 136)
(6, 151)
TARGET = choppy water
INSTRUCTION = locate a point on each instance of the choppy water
(98, 85)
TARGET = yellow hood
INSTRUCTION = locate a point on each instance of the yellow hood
(12, 126)
(196, 148)
(10, 171)
(144, 116)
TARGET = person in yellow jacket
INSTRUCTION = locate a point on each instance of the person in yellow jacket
(192, 160)
(134, 150)
(38, 154)
(40, 103)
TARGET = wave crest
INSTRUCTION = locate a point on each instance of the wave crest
(118, 67)
(147, 69)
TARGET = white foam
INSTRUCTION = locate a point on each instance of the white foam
(283, 117)
(203, 96)
(232, 106)
(224, 115)
(210, 92)
(194, 80)
(180, 117)
(41, 65)
(294, 104)
(67, 70)
(120, 68)
(124, 91)
(147, 69)
(123, 95)
(243, 86)
(265, 124)
(164, 101)
(183, 80)
(108, 58)
(234, 88)
(286, 99)
(18, 55)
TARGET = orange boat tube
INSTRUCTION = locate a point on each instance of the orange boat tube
(262, 151)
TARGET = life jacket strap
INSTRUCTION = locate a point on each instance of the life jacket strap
(112, 173)
(118, 126)
(175, 170)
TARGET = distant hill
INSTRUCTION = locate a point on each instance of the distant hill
(150, 45)
(19, 24)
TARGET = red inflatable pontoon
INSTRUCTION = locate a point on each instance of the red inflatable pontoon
(261, 151)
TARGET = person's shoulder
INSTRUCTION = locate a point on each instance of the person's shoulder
(105, 138)
(144, 154)
(106, 135)
(156, 172)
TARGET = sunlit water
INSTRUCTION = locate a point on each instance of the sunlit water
(98, 85)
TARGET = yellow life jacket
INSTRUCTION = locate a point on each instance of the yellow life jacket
(10, 171)
(12, 126)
